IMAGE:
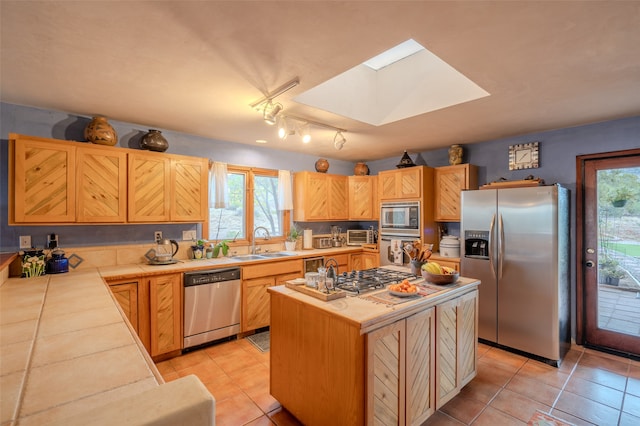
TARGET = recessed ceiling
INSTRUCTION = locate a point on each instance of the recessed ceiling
(403, 82)
(195, 67)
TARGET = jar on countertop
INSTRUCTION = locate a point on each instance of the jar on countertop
(450, 246)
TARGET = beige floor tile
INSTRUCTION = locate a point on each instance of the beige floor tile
(66, 381)
(79, 320)
(492, 417)
(543, 373)
(518, 406)
(60, 347)
(601, 376)
(14, 357)
(535, 390)
(237, 410)
(595, 392)
(587, 409)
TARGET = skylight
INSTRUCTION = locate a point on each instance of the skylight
(403, 82)
(395, 54)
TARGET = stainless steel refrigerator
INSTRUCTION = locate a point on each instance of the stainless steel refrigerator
(516, 241)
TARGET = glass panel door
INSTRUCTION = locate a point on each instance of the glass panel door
(612, 245)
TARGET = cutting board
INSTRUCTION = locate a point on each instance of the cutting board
(309, 291)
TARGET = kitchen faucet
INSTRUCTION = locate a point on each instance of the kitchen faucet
(253, 241)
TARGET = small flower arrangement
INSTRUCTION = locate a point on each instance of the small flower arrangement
(33, 264)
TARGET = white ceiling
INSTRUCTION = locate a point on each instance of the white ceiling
(195, 66)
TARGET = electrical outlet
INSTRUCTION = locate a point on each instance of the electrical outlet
(189, 235)
(25, 241)
(157, 236)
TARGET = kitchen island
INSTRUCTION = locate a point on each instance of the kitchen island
(372, 359)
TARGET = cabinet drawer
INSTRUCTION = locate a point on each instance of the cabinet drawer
(272, 268)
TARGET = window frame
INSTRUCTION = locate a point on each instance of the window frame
(250, 173)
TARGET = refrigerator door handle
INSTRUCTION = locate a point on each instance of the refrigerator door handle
(500, 247)
(491, 240)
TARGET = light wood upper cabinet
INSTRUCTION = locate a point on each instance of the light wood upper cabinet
(101, 184)
(53, 181)
(149, 183)
(450, 181)
(189, 185)
(42, 184)
(401, 184)
(319, 196)
(165, 188)
(363, 198)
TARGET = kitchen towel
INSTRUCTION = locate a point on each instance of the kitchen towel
(396, 249)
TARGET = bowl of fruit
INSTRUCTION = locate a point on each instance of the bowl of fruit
(437, 274)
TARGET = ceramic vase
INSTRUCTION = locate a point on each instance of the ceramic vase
(455, 154)
(154, 141)
(361, 169)
(416, 267)
(100, 132)
(322, 165)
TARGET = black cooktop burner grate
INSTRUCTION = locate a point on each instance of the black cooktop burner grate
(358, 282)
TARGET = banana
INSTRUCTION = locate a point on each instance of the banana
(433, 268)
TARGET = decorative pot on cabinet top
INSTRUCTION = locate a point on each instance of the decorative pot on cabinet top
(100, 132)
(322, 165)
(154, 141)
(361, 169)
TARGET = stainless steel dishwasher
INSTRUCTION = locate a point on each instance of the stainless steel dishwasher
(211, 305)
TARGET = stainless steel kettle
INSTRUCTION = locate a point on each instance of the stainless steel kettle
(165, 251)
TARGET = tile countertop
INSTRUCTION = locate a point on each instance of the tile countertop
(66, 351)
(369, 315)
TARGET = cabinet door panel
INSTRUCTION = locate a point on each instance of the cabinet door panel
(386, 375)
(410, 183)
(338, 204)
(363, 197)
(420, 366)
(44, 182)
(256, 311)
(102, 185)
(467, 358)
(148, 188)
(447, 351)
(165, 302)
(189, 192)
(126, 294)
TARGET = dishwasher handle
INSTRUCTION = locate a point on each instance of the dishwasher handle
(211, 276)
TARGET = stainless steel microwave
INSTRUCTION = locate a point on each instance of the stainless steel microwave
(400, 217)
(358, 237)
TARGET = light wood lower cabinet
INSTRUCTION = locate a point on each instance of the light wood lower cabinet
(153, 306)
(456, 348)
(400, 366)
(256, 279)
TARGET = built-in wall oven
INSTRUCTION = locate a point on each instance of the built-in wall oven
(399, 224)
(400, 218)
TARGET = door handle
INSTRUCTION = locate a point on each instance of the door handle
(589, 263)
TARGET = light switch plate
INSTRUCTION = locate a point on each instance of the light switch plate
(188, 235)
(25, 241)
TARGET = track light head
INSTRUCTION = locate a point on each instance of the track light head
(284, 129)
(339, 141)
(304, 132)
(270, 112)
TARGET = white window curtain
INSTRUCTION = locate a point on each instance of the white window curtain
(218, 191)
(285, 196)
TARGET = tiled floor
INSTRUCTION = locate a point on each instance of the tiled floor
(589, 388)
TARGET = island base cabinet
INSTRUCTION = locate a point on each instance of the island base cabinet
(400, 366)
(456, 346)
(316, 364)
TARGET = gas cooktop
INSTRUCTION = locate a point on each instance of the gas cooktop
(358, 282)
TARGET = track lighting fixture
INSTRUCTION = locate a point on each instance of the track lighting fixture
(304, 132)
(270, 112)
(339, 140)
(284, 130)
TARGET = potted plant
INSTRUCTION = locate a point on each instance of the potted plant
(197, 250)
(620, 196)
(292, 239)
(613, 275)
(221, 246)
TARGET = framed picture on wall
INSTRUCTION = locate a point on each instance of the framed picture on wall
(524, 156)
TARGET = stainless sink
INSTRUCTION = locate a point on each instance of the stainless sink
(278, 254)
(248, 257)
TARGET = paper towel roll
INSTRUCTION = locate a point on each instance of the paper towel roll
(307, 239)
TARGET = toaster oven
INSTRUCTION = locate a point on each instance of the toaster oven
(358, 237)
